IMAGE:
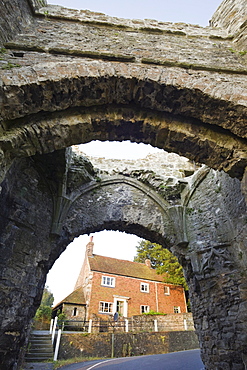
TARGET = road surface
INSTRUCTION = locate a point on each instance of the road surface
(185, 360)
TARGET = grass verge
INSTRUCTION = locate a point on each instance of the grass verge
(58, 364)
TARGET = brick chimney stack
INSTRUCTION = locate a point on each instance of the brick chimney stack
(89, 247)
(148, 263)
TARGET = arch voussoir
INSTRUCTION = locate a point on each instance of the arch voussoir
(43, 134)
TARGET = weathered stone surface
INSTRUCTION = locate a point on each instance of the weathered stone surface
(15, 15)
(232, 16)
(178, 87)
(200, 143)
(166, 165)
(79, 199)
(126, 344)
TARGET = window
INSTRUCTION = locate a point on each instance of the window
(145, 287)
(74, 313)
(105, 307)
(176, 309)
(166, 290)
(144, 309)
(108, 281)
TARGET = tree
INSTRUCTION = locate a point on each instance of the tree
(47, 297)
(162, 260)
(43, 313)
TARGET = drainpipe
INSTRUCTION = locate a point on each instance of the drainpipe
(157, 300)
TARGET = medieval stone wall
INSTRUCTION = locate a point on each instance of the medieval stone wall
(216, 255)
(163, 164)
(150, 67)
(15, 15)
(232, 16)
(24, 256)
(170, 322)
(70, 77)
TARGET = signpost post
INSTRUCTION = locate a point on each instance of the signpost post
(115, 318)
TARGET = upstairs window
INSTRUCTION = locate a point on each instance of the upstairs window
(144, 287)
(166, 290)
(74, 313)
(108, 281)
(176, 309)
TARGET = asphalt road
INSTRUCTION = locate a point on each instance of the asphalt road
(185, 360)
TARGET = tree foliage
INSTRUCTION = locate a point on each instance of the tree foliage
(44, 311)
(162, 260)
(47, 297)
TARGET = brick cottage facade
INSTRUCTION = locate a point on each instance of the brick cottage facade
(108, 285)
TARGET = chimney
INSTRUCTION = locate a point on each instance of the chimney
(148, 263)
(89, 247)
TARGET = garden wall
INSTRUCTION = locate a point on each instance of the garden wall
(125, 344)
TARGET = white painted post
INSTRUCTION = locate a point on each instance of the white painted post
(126, 325)
(51, 325)
(57, 344)
(185, 325)
(155, 325)
(90, 326)
(54, 329)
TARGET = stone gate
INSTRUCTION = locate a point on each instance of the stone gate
(69, 77)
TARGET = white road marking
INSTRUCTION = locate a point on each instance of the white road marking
(102, 362)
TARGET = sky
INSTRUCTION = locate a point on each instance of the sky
(188, 11)
(62, 277)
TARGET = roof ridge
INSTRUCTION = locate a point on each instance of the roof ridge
(120, 259)
(121, 267)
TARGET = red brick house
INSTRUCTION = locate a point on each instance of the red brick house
(112, 285)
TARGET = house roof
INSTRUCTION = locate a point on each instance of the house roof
(76, 297)
(122, 267)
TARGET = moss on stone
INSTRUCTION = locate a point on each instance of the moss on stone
(197, 67)
(217, 37)
(10, 66)
(160, 31)
(92, 54)
(24, 47)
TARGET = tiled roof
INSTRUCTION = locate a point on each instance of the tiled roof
(76, 297)
(122, 267)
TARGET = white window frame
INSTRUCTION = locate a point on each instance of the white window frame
(105, 307)
(75, 312)
(176, 309)
(166, 290)
(144, 308)
(108, 281)
(144, 287)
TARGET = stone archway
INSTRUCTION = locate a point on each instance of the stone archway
(50, 199)
(53, 97)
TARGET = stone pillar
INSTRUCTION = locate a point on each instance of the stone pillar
(28, 250)
(218, 309)
(215, 268)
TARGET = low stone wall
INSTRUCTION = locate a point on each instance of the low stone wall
(170, 322)
(125, 344)
(137, 323)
